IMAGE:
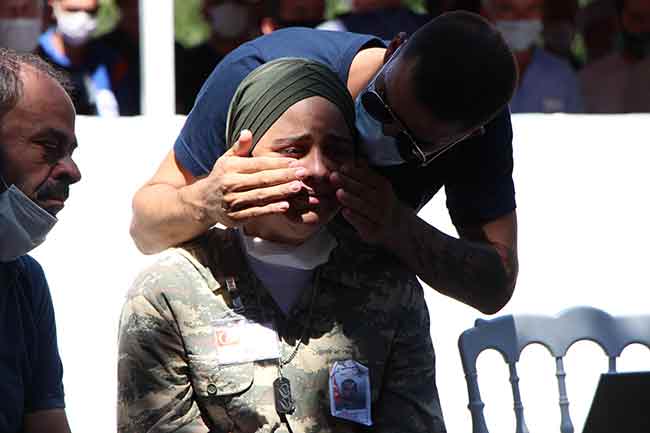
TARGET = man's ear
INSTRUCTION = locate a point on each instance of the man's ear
(268, 25)
(394, 45)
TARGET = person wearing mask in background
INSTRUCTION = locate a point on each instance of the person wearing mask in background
(547, 83)
(69, 46)
(37, 139)
(381, 18)
(427, 118)
(232, 22)
(21, 24)
(620, 81)
(279, 14)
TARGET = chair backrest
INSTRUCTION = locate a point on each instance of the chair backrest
(510, 334)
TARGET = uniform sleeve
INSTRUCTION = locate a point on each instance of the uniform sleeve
(202, 139)
(154, 389)
(46, 391)
(480, 186)
(409, 397)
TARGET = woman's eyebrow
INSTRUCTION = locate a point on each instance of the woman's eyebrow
(292, 139)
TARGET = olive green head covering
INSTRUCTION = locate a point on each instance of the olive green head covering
(269, 91)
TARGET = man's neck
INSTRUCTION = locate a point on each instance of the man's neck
(364, 66)
(75, 54)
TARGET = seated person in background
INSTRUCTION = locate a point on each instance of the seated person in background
(547, 83)
(21, 24)
(279, 14)
(231, 24)
(381, 18)
(69, 46)
(620, 81)
(198, 345)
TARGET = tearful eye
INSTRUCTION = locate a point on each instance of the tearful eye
(292, 151)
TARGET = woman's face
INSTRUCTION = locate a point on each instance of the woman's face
(314, 132)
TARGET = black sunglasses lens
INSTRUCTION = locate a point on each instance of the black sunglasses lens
(375, 107)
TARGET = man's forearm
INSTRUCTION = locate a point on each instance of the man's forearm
(163, 218)
(478, 274)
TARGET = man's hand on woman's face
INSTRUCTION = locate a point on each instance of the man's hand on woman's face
(240, 187)
(369, 202)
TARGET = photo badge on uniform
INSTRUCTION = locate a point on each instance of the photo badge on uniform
(350, 397)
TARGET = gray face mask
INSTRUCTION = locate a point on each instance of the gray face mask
(381, 150)
(23, 224)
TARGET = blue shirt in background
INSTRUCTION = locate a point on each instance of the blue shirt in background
(549, 85)
(476, 174)
(30, 366)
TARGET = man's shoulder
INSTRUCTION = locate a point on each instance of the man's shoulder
(27, 274)
(34, 272)
(335, 49)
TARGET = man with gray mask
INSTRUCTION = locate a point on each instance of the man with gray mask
(21, 23)
(36, 170)
(232, 22)
(547, 82)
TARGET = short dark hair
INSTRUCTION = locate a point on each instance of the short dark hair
(464, 71)
(11, 83)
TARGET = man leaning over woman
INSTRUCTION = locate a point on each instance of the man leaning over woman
(287, 324)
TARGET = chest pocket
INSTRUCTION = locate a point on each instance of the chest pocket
(209, 379)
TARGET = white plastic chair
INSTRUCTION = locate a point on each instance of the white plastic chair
(510, 334)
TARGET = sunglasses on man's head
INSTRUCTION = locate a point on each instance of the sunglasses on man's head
(376, 104)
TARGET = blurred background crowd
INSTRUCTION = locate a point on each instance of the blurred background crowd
(576, 56)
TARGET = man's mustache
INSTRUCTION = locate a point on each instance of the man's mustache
(53, 190)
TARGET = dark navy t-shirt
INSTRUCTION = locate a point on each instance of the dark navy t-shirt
(30, 366)
(477, 174)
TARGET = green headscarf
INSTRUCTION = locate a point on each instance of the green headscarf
(269, 91)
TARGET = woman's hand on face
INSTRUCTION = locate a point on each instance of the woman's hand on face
(240, 187)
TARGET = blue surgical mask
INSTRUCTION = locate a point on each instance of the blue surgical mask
(23, 224)
(381, 150)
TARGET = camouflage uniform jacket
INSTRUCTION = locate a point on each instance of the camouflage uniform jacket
(365, 309)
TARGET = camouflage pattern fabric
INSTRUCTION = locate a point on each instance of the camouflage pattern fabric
(368, 308)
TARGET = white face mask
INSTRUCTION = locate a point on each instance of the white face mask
(520, 34)
(76, 27)
(380, 149)
(309, 255)
(23, 224)
(20, 34)
(229, 19)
